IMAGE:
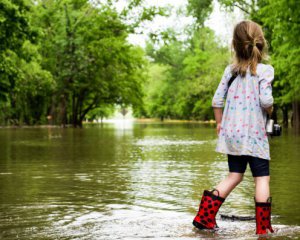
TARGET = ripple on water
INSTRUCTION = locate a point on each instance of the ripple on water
(136, 222)
(163, 141)
(82, 177)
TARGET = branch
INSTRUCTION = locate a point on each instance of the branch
(87, 12)
(241, 8)
(245, 3)
(90, 107)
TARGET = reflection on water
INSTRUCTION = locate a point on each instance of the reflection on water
(134, 181)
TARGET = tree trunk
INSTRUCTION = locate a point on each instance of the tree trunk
(13, 118)
(63, 110)
(296, 115)
(285, 116)
(75, 110)
(274, 114)
(79, 123)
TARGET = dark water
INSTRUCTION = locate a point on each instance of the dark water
(132, 181)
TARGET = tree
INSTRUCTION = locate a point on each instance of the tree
(87, 52)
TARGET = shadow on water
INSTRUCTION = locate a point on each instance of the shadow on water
(132, 181)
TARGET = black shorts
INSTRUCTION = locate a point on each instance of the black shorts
(259, 167)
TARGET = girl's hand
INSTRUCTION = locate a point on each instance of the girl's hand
(269, 110)
(218, 116)
(218, 128)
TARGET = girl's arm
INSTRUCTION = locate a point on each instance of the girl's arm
(218, 117)
(265, 89)
(221, 92)
(219, 97)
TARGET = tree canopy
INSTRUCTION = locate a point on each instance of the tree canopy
(65, 61)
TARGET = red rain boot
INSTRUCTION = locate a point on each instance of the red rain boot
(263, 217)
(208, 208)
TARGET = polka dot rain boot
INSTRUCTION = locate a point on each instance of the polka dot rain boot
(263, 217)
(208, 208)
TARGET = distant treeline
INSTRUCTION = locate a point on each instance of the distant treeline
(65, 61)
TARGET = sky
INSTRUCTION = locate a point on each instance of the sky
(220, 21)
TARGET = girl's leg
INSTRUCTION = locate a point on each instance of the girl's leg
(262, 188)
(229, 183)
(262, 205)
(237, 166)
(212, 201)
(261, 174)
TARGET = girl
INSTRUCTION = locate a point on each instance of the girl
(241, 127)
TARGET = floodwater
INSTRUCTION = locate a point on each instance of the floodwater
(133, 181)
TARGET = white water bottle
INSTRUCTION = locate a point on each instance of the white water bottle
(270, 126)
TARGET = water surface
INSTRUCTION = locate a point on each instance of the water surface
(132, 181)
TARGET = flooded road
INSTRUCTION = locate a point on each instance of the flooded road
(132, 181)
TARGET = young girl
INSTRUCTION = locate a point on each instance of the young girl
(241, 127)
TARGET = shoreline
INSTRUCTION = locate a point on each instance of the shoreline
(138, 120)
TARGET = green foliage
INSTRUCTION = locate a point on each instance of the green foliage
(25, 86)
(33, 87)
(248, 7)
(14, 29)
(185, 76)
(157, 91)
(285, 24)
(200, 9)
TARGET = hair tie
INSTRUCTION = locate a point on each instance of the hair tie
(253, 44)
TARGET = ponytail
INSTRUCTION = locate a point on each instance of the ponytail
(256, 57)
(249, 45)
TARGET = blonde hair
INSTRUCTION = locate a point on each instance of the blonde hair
(250, 47)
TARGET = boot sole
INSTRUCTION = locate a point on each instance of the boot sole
(199, 225)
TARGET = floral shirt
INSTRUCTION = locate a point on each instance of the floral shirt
(244, 119)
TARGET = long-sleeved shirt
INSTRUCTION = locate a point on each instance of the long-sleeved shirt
(244, 118)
